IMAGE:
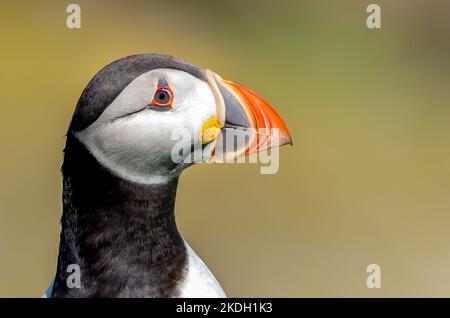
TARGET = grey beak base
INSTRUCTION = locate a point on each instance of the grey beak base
(235, 116)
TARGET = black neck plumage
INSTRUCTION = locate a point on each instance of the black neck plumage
(122, 235)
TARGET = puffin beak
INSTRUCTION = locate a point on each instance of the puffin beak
(244, 116)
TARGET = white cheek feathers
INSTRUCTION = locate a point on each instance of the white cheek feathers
(136, 142)
(125, 148)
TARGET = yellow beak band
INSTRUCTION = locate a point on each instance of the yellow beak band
(210, 130)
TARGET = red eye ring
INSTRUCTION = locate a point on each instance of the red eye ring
(163, 96)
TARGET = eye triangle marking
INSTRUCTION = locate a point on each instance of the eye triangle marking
(163, 96)
(162, 83)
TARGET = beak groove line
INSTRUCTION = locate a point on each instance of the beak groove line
(237, 102)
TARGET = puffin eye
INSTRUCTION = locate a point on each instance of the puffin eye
(163, 97)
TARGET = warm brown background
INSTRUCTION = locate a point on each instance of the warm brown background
(368, 178)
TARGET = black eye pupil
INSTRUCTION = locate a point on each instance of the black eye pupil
(162, 97)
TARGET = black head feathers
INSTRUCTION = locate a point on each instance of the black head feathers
(113, 78)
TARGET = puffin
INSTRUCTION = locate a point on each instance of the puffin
(138, 123)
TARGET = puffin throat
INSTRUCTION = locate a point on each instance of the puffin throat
(121, 234)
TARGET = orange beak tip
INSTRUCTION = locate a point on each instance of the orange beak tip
(243, 107)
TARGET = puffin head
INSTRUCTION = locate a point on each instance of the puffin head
(145, 117)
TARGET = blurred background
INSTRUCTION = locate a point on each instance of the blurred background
(367, 180)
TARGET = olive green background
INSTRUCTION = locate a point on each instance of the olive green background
(367, 180)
